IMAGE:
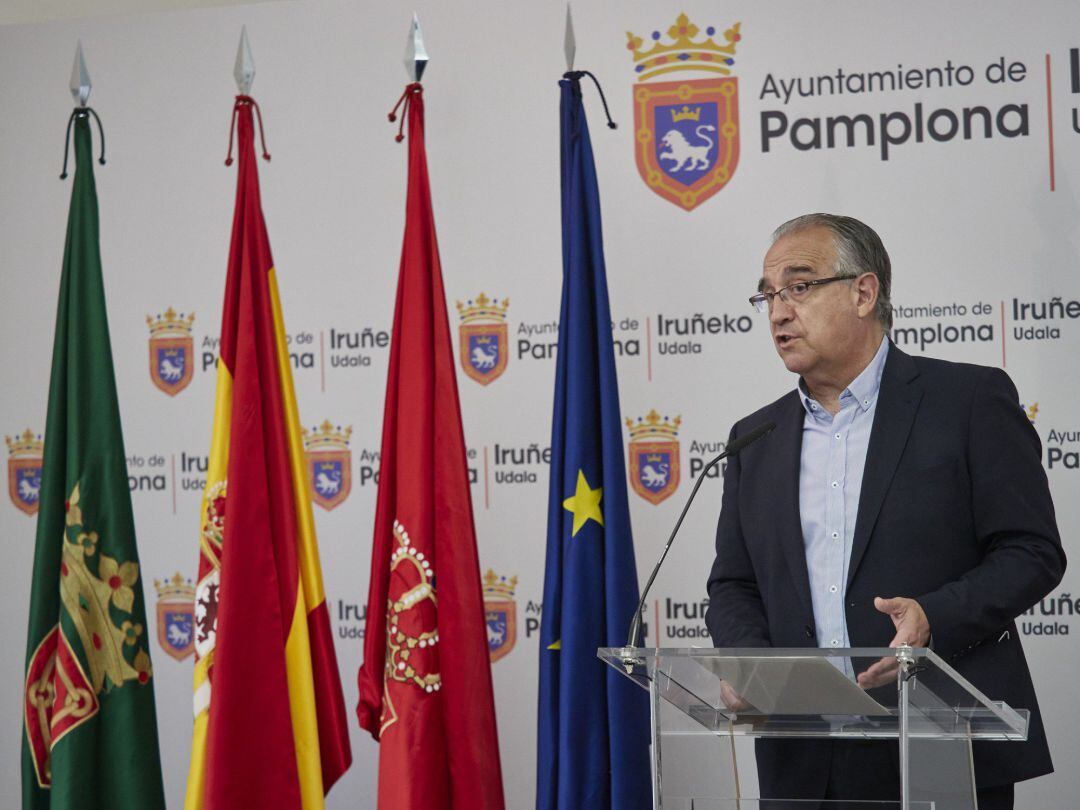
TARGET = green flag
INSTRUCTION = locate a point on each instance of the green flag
(90, 730)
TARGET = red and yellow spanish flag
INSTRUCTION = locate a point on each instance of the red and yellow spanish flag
(270, 729)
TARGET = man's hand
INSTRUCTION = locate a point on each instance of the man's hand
(912, 628)
(733, 700)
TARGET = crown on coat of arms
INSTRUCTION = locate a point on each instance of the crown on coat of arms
(25, 444)
(499, 587)
(326, 437)
(684, 53)
(483, 309)
(176, 589)
(170, 324)
(652, 426)
(686, 114)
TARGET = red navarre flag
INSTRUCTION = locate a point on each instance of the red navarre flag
(425, 685)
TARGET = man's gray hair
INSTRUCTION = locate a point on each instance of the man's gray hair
(858, 250)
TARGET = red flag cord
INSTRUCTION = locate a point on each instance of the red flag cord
(242, 101)
(415, 87)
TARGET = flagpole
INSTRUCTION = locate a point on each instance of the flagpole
(416, 55)
(80, 87)
(425, 684)
(592, 726)
(250, 680)
(88, 674)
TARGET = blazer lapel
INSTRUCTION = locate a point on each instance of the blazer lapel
(898, 401)
(788, 438)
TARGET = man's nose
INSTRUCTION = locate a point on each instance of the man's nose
(780, 311)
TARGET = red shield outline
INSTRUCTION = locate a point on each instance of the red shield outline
(499, 330)
(317, 457)
(724, 92)
(509, 608)
(638, 448)
(163, 631)
(57, 699)
(16, 463)
(186, 343)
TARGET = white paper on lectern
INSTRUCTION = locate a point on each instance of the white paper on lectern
(794, 686)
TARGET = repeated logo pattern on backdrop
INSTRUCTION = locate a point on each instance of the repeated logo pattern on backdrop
(172, 351)
(654, 456)
(24, 470)
(176, 616)
(500, 611)
(686, 132)
(329, 464)
(483, 338)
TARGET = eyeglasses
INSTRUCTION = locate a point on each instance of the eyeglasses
(793, 293)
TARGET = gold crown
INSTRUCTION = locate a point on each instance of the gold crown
(484, 309)
(499, 587)
(1032, 409)
(684, 53)
(686, 114)
(652, 427)
(326, 437)
(170, 324)
(25, 444)
(176, 589)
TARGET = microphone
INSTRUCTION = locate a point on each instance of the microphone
(634, 638)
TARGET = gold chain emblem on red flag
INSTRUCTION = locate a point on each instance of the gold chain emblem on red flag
(411, 624)
(59, 694)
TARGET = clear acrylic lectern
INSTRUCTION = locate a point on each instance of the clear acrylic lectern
(708, 705)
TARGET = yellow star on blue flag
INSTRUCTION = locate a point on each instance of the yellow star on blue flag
(585, 504)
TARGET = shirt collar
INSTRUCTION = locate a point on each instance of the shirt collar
(862, 391)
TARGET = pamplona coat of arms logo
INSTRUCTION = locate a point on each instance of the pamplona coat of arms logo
(24, 470)
(483, 338)
(686, 132)
(654, 455)
(176, 616)
(500, 611)
(329, 463)
(172, 351)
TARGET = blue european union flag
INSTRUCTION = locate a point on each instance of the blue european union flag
(593, 731)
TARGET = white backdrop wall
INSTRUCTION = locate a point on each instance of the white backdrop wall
(983, 234)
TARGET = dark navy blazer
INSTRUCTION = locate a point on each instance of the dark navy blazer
(955, 512)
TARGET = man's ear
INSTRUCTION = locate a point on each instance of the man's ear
(866, 288)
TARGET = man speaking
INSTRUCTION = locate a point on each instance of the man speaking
(899, 500)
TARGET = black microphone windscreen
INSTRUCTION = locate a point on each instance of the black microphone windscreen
(749, 438)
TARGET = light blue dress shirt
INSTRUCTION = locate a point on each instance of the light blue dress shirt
(830, 480)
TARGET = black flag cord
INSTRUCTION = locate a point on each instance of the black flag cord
(82, 112)
(576, 76)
